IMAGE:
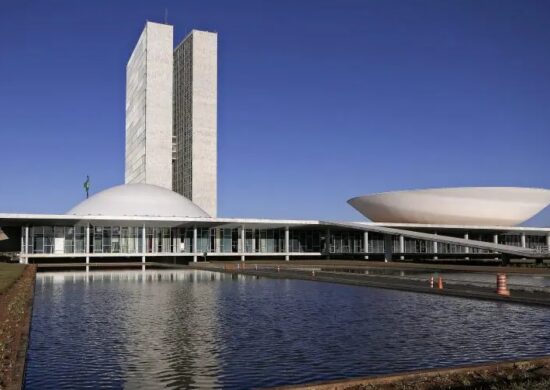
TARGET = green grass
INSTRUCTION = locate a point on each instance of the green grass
(9, 273)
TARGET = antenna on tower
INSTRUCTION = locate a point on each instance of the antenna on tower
(166, 16)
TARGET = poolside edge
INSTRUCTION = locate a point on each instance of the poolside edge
(16, 306)
(498, 375)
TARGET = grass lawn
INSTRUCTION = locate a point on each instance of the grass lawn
(9, 273)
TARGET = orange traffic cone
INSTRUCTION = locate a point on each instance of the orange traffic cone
(502, 285)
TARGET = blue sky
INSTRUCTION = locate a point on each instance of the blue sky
(319, 101)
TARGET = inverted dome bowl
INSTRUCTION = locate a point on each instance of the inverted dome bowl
(493, 206)
(138, 200)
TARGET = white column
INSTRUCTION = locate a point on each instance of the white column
(74, 240)
(523, 241)
(495, 241)
(287, 243)
(87, 244)
(253, 241)
(366, 244)
(195, 242)
(548, 242)
(218, 240)
(402, 246)
(25, 260)
(143, 247)
(174, 240)
(243, 241)
(155, 238)
(467, 248)
(435, 249)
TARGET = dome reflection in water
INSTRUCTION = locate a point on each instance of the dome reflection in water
(196, 329)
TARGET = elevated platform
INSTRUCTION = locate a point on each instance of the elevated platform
(498, 248)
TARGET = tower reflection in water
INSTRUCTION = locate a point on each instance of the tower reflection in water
(196, 329)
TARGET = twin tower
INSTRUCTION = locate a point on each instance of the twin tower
(171, 114)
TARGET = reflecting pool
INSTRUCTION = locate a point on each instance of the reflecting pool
(197, 329)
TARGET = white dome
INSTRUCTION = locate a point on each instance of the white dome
(502, 206)
(138, 200)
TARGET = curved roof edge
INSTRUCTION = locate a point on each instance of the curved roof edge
(498, 206)
(145, 200)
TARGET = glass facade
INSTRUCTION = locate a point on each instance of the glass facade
(305, 241)
(165, 240)
(346, 242)
(57, 239)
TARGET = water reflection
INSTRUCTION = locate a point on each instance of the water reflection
(139, 276)
(196, 329)
(482, 279)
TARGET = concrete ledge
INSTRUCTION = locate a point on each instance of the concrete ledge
(425, 266)
(385, 282)
(489, 375)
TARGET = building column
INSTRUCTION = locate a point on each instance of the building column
(175, 238)
(217, 240)
(87, 251)
(143, 247)
(23, 246)
(467, 248)
(195, 241)
(253, 241)
(523, 241)
(153, 239)
(287, 243)
(25, 249)
(366, 244)
(548, 242)
(326, 249)
(27, 244)
(435, 248)
(402, 246)
(74, 240)
(243, 243)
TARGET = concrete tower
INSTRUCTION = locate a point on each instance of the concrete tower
(149, 108)
(195, 119)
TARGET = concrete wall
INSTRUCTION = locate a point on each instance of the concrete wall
(195, 127)
(205, 124)
(135, 113)
(149, 108)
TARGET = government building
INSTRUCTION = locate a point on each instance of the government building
(166, 211)
(171, 114)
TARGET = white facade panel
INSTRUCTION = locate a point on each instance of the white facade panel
(195, 119)
(205, 134)
(135, 113)
(149, 108)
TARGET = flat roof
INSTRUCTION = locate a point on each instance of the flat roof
(16, 219)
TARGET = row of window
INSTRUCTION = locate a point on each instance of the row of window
(129, 239)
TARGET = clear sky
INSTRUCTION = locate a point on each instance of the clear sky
(319, 100)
